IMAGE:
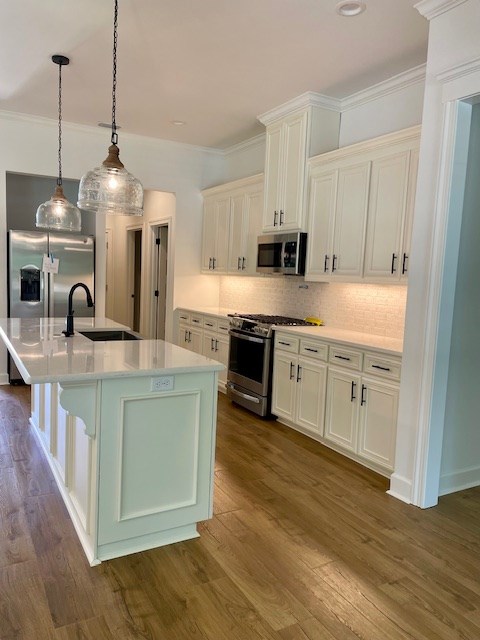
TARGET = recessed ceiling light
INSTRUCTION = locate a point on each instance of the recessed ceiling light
(178, 123)
(349, 8)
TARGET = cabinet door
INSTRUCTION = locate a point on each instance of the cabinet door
(322, 199)
(222, 346)
(350, 220)
(183, 336)
(378, 422)
(238, 233)
(341, 417)
(254, 210)
(222, 211)
(310, 403)
(407, 228)
(209, 236)
(292, 188)
(386, 214)
(196, 340)
(284, 385)
(273, 168)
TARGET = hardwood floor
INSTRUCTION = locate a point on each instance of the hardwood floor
(304, 545)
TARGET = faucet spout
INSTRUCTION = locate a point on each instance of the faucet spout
(69, 319)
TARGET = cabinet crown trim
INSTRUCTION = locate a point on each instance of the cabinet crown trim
(433, 8)
(386, 141)
(234, 184)
(305, 100)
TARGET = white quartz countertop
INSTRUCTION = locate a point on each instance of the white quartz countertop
(43, 354)
(393, 346)
(212, 311)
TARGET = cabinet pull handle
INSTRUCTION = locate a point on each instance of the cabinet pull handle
(208, 324)
(238, 264)
(216, 345)
(299, 370)
(292, 370)
(342, 358)
(186, 336)
(334, 263)
(404, 263)
(352, 392)
(195, 321)
(281, 216)
(275, 214)
(377, 366)
(212, 346)
(189, 336)
(312, 350)
(393, 267)
(243, 263)
(363, 399)
(183, 318)
(209, 263)
(213, 263)
(325, 263)
(287, 344)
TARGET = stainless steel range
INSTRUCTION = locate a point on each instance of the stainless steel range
(250, 363)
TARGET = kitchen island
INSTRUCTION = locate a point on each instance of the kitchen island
(128, 429)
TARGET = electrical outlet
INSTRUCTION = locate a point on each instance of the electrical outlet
(164, 383)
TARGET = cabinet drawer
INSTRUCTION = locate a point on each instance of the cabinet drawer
(312, 349)
(346, 357)
(210, 324)
(382, 366)
(196, 320)
(184, 317)
(223, 327)
(286, 343)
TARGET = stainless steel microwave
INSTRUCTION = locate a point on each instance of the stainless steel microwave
(282, 253)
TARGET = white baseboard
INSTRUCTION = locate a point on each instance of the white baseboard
(400, 488)
(4, 378)
(459, 480)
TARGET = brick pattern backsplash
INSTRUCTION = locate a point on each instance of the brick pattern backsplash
(376, 309)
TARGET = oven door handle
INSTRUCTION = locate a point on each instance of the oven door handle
(242, 336)
(245, 396)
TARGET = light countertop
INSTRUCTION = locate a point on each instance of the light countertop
(43, 354)
(393, 346)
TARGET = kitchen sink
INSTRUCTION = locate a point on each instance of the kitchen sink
(109, 334)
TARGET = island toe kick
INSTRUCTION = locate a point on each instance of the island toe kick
(133, 465)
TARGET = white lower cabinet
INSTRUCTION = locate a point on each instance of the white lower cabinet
(298, 388)
(206, 335)
(341, 396)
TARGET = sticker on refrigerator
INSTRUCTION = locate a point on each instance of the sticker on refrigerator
(50, 264)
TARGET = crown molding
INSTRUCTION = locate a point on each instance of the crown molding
(307, 99)
(433, 8)
(234, 184)
(460, 70)
(385, 88)
(96, 131)
(245, 145)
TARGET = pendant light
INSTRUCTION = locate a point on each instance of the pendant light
(110, 188)
(58, 213)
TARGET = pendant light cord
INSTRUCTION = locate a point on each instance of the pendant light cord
(59, 179)
(114, 88)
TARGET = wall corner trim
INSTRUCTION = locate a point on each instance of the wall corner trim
(433, 8)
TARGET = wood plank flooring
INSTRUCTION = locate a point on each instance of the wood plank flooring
(304, 545)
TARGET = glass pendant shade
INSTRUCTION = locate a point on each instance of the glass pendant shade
(111, 189)
(58, 214)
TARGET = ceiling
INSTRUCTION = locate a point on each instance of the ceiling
(215, 64)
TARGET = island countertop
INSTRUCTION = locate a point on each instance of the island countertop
(42, 354)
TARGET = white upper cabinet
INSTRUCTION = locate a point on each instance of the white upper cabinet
(232, 220)
(296, 130)
(285, 174)
(360, 210)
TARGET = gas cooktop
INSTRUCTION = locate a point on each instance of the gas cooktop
(262, 324)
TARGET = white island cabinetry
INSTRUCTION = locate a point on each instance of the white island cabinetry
(128, 429)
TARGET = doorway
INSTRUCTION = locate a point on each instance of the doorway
(134, 276)
(159, 275)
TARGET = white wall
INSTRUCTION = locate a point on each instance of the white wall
(451, 74)
(29, 146)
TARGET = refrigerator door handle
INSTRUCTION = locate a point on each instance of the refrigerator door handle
(51, 289)
(46, 297)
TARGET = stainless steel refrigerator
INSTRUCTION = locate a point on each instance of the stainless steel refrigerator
(33, 291)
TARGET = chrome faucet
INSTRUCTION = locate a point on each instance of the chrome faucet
(69, 330)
